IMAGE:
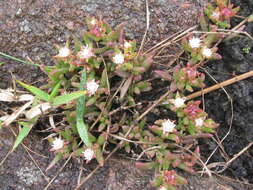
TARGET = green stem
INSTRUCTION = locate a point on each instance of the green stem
(18, 60)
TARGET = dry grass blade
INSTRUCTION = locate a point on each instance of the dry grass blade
(147, 27)
(28, 150)
(168, 42)
(125, 87)
(37, 110)
(8, 96)
(58, 172)
(16, 114)
(233, 180)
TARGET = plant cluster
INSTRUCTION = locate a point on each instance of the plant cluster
(221, 12)
(93, 76)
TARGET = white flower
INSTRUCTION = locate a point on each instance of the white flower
(63, 52)
(127, 45)
(118, 58)
(216, 15)
(85, 53)
(92, 87)
(88, 154)
(57, 144)
(168, 126)
(194, 42)
(207, 52)
(178, 102)
(199, 122)
(93, 21)
(163, 188)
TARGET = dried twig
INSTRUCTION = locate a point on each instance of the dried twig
(220, 85)
(58, 172)
(147, 27)
(227, 164)
(146, 150)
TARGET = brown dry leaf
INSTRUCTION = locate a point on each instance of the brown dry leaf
(8, 96)
(125, 87)
(37, 110)
(15, 114)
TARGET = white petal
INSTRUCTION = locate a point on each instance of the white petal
(207, 52)
(168, 126)
(194, 42)
(57, 144)
(92, 87)
(88, 154)
(127, 45)
(64, 52)
(118, 58)
(199, 122)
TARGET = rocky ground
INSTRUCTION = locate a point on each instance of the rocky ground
(31, 28)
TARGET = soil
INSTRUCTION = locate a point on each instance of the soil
(31, 28)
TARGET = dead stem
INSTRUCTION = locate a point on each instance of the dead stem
(233, 180)
(165, 43)
(227, 164)
(135, 142)
(220, 85)
(146, 150)
(147, 27)
(219, 142)
(58, 172)
(199, 159)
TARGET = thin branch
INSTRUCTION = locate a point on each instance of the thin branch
(220, 85)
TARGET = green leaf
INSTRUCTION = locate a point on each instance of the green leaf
(22, 133)
(77, 44)
(157, 181)
(203, 23)
(91, 101)
(191, 129)
(188, 87)
(101, 139)
(36, 91)
(83, 132)
(63, 99)
(104, 79)
(92, 138)
(173, 137)
(82, 128)
(250, 18)
(207, 130)
(99, 156)
(55, 90)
